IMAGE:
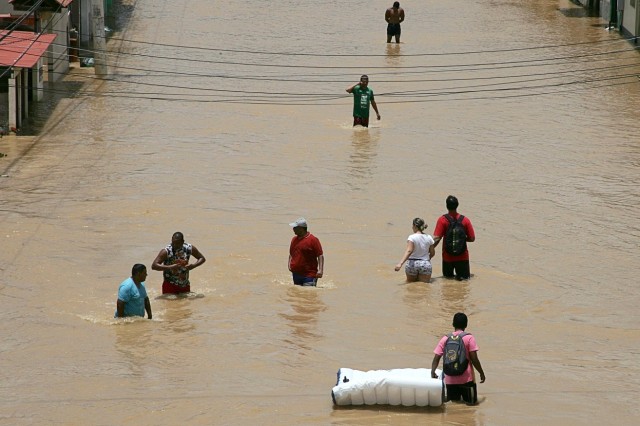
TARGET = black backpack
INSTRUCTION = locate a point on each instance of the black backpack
(455, 240)
(455, 361)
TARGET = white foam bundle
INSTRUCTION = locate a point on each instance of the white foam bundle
(402, 386)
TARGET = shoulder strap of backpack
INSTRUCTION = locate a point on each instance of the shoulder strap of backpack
(449, 218)
(461, 335)
(460, 218)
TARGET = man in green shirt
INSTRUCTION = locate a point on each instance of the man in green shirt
(362, 98)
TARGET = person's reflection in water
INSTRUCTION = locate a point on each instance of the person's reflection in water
(419, 298)
(306, 306)
(177, 317)
(365, 150)
(394, 59)
(133, 340)
(454, 297)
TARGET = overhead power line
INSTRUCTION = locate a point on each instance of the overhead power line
(468, 52)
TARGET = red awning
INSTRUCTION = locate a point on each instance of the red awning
(22, 49)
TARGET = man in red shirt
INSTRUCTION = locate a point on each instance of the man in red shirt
(306, 261)
(454, 266)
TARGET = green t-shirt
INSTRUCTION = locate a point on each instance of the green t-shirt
(361, 100)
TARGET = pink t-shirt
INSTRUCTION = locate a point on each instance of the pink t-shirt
(471, 346)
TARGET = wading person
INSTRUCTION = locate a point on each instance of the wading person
(418, 254)
(362, 98)
(306, 260)
(132, 295)
(457, 231)
(394, 16)
(173, 261)
(462, 385)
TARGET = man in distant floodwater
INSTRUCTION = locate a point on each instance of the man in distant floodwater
(362, 98)
(132, 295)
(173, 261)
(394, 16)
(306, 259)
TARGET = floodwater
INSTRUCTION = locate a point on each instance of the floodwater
(228, 120)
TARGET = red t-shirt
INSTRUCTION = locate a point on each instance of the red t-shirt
(441, 230)
(304, 253)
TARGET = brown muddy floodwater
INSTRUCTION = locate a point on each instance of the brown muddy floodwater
(228, 120)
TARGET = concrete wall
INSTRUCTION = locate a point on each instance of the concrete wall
(57, 55)
(85, 22)
(605, 10)
(630, 17)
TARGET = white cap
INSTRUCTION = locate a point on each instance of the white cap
(299, 222)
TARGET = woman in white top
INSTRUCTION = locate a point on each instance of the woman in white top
(420, 250)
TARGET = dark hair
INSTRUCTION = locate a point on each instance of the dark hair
(452, 202)
(460, 321)
(364, 77)
(178, 235)
(396, 4)
(137, 268)
(419, 223)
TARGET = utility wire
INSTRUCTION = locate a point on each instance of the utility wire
(263, 97)
(438, 93)
(254, 64)
(12, 26)
(173, 73)
(470, 52)
(333, 67)
(519, 78)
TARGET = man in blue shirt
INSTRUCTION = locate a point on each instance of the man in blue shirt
(132, 295)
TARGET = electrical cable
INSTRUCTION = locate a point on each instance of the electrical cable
(265, 97)
(182, 47)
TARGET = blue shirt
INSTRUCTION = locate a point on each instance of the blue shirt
(133, 298)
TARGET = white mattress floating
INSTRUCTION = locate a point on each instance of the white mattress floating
(403, 386)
